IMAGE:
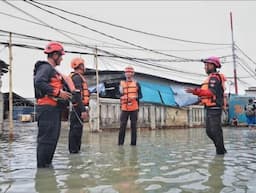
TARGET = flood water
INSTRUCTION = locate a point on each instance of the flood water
(164, 161)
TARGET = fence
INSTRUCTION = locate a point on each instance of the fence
(151, 116)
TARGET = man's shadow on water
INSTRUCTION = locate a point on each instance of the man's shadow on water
(45, 181)
(216, 171)
(124, 180)
(78, 178)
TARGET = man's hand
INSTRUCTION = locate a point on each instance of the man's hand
(64, 95)
(189, 90)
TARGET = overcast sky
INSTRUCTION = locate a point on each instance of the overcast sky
(195, 21)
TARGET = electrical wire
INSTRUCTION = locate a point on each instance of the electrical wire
(132, 59)
(127, 28)
(72, 33)
(246, 65)
(68, 43)
(64, 33)
(157, 68)
(57, 29)
(110, 36)
(116, 46)
(135, 59)
(245, 54)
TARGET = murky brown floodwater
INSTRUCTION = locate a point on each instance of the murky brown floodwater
(164, 161)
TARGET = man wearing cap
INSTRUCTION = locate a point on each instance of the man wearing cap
(80, 105)
(130, 94)
(50, 96)
(211, 95)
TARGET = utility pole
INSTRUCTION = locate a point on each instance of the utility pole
(233, 54)
(97, 90)
(10, 89)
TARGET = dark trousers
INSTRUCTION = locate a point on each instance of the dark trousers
(75, 132)
(214, 130)
(49, 124)
(123, 123)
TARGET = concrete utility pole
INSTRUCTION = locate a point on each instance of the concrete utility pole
(233, 53)
(10, 89)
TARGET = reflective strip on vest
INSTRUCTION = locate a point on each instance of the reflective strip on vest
(130, 93)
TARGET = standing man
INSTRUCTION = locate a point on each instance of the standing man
(211, 94)
(130, 94)
(250, 113)
(50, 95)
(80, 105)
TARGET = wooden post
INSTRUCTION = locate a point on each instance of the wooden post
(97, 90)
(10, 90)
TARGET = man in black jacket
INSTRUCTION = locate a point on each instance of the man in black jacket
(49, 90)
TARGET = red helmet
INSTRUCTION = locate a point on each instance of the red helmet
(54, 47)
(75, 62)
(213, 60)
(129, 69)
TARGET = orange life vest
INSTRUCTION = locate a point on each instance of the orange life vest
(85, 94)
(211, 101)
(129, 96)
(56, 82)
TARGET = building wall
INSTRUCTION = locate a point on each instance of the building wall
(176, 117)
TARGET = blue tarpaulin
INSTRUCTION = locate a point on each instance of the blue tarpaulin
(160, 94)
(182, 98)
(157, 93)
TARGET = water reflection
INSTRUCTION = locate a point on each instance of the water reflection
(124, 178)
(215, 175)
(76, 176)
(45, 181)
(164, 161)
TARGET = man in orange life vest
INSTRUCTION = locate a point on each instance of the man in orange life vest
(80, 105)
(130, 94)
(211, 94)
(51, 96)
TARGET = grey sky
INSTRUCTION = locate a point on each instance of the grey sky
(196, 21)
